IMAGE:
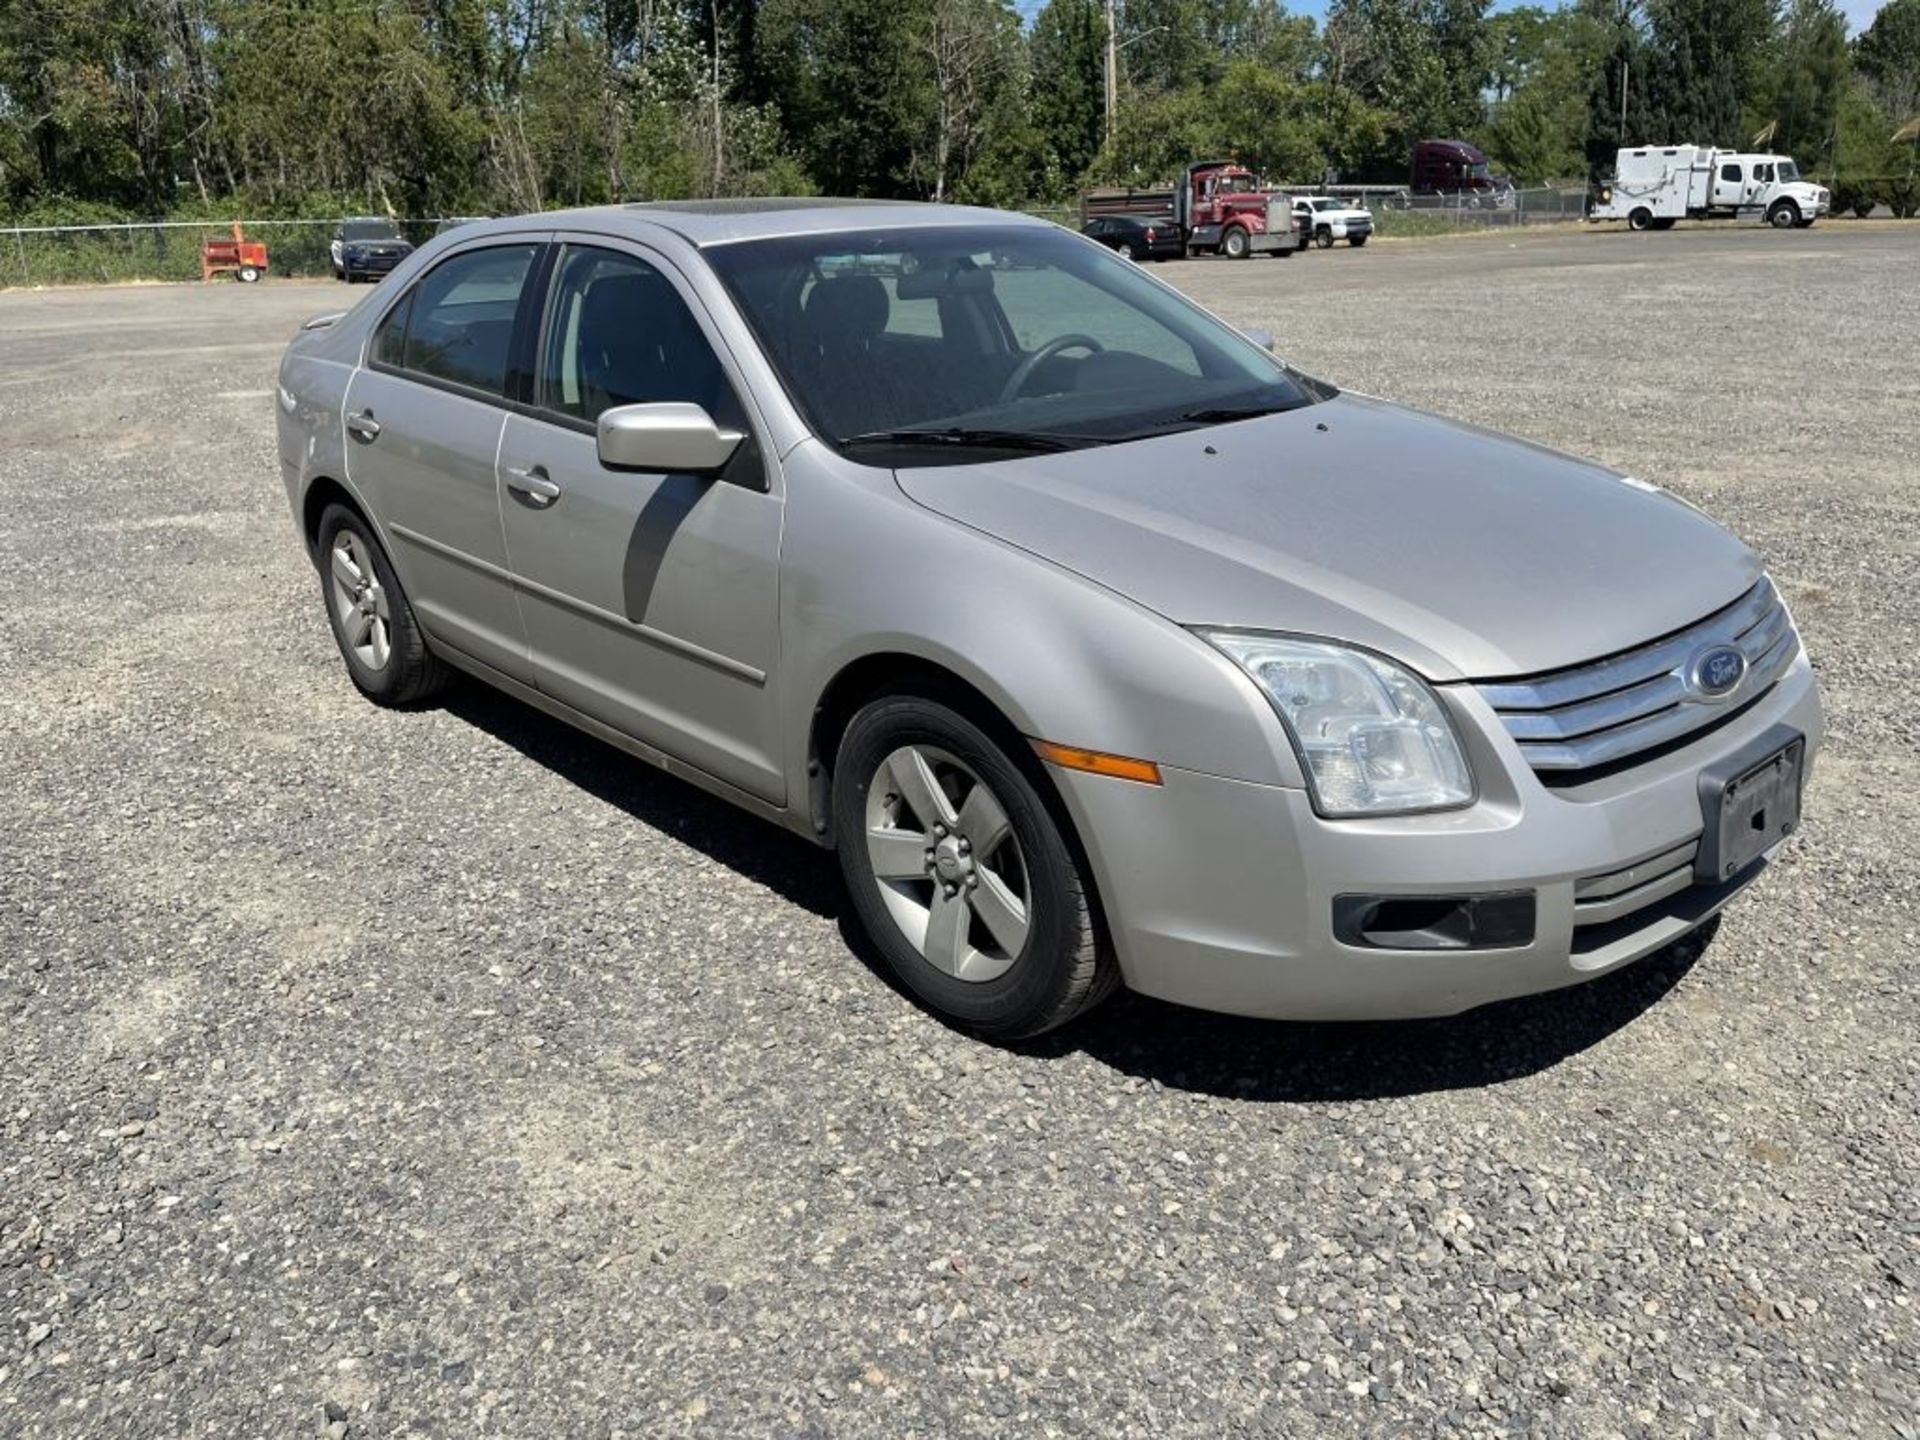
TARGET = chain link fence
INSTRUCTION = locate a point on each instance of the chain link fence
(101, 254)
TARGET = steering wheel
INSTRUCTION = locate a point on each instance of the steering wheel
(1023, 372)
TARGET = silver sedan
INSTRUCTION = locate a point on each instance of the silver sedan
(1101, 646)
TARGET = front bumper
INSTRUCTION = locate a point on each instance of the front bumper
(1221, 894)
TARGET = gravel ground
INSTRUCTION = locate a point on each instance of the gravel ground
(446, 1073)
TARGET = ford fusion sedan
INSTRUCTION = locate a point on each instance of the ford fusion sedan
(1101, 647)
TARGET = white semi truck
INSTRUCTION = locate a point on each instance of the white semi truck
(1655, 185)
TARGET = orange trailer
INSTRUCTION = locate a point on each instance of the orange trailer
(244, 259)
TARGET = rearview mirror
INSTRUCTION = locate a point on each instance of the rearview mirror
(669, 436)
(1262, 338)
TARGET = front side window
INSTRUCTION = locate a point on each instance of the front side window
(618, 333)
(1789, 172)
(973, 338)
(456, 324)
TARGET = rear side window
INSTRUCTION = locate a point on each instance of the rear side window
(1730, 173)
(457, 324)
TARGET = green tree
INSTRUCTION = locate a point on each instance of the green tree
(1067, 53)
(1888, 56)
(1806, 76)
(1705, 59)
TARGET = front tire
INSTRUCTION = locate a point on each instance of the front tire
(1356, 241)
(1234, 244)
(1640, 219)
(1784, 216)
(1323, 237)
(372, 621)
(961, 875)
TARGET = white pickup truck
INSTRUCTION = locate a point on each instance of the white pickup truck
(1655, 185)
(1324, 220)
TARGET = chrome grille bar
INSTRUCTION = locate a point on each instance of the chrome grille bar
(1590, 715)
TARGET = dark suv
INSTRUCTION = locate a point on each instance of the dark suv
(367, 247)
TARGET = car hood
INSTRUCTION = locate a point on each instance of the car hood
(1462, 553)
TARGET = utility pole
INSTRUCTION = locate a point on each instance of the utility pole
(1113, 69)
(1626, 67)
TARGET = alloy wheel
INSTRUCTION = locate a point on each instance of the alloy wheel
(360, 601)
(947, 863)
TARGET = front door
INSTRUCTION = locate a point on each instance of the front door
(651, 601)
(423, 422)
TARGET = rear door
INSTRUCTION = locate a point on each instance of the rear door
(1730, 185)
(424, 417)
(651, 601)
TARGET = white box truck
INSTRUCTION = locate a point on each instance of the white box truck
(1655, 185)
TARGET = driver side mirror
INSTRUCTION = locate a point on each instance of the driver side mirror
(673, 437)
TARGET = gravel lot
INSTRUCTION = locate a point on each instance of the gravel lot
(448, 1074)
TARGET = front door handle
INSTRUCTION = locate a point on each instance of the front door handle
(532, 487)
(363, 427)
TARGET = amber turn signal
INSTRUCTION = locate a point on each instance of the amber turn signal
(1096, 762)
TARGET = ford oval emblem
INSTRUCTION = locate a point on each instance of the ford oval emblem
(1716, 672)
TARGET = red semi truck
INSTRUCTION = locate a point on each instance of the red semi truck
(1218, 207)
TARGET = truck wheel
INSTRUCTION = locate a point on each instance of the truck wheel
(1234, 244)
(1323, 237)
(1356, 241)
(1784, 216)
(1665, 222)
(1640, 219)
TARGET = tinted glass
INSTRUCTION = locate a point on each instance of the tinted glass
(460, 327)
(1017, 330)
(390, 340)
(1730, 173)
(618, 333)
(369, 230)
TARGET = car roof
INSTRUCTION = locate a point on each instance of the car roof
(719, 222)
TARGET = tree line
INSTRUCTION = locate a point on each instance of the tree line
(436, 107)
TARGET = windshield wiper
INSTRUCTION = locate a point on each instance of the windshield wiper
(1226, 414)
(958, 435)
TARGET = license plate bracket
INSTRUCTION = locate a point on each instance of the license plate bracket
(1749, 803)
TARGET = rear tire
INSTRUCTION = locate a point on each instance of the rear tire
(1027, 882)
(373, 624)
(1640, 219)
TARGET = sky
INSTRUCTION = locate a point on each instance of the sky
(1859, 13)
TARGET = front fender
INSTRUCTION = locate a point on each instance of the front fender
(868, 571)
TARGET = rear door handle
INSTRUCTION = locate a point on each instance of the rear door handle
(363, 427)
(532, 487)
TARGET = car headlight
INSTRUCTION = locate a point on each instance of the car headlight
(1372, 736)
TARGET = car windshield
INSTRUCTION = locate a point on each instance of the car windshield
(369, 230)
(941, 344)
(1236, 185)
(1788, 171)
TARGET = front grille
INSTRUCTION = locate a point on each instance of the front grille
(1568, 722)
